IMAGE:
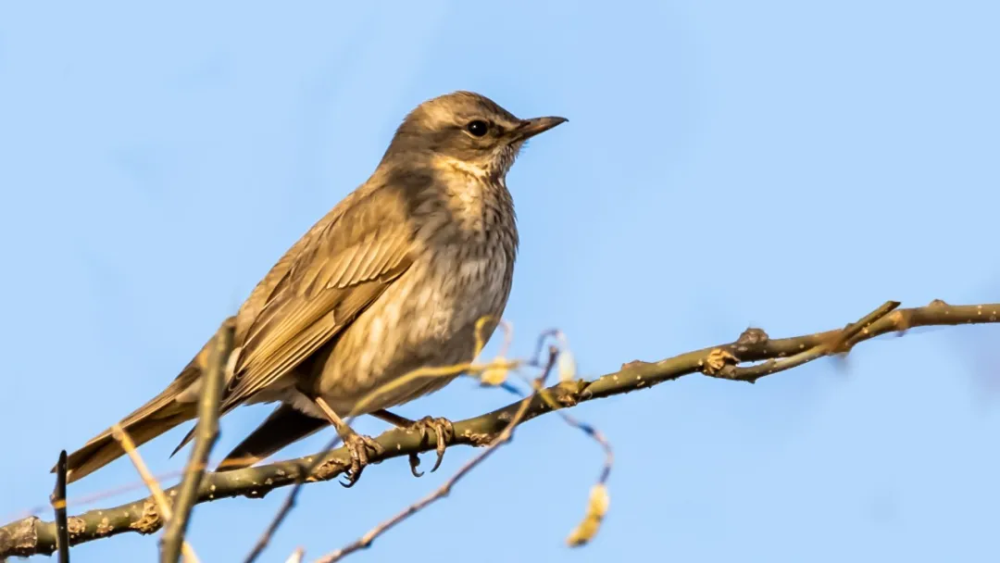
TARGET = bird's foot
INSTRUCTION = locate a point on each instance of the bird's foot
(361, 448)
(444, 433)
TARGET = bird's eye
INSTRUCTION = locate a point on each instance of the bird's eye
(478, 128)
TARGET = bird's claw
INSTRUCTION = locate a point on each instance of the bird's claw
(443, 431)
(362, 448)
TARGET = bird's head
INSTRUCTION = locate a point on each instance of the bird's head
(468, 129)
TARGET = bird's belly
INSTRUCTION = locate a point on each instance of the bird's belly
(427, 318)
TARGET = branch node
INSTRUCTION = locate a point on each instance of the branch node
(104, 527)
(150, 521)
(21, 538)
(76, 526)
(568, 393)
(328, 469)
(633, 364)
(717, 361)
(478, 439)
(846, 338)
(751, 337)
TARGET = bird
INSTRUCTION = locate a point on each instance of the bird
(394, 278)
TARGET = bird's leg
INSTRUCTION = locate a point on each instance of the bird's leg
(442, 427)
(360, 446)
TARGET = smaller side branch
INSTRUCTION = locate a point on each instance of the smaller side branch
(723, 364)
(155, 490)
(159, 498)
(288, 504)
(59, 504)
(207, 433)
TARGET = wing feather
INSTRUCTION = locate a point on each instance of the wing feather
(338, 269)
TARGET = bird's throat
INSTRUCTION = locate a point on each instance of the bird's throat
(477, 199)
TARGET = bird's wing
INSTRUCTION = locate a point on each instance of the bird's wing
(333, 273)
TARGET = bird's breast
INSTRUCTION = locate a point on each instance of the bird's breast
(452, 287)
(426, 318)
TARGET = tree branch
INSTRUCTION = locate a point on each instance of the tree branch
(205, 438)
(32, 536)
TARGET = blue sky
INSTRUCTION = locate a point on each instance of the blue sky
(789, 165)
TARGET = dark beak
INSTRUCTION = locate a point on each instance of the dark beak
(531, 127)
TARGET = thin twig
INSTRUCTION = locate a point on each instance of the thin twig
(723, 364)
(838, 343)
(585, 531)
(289, 503)
(206, 435)
(162, 504)
(58, 499)
(32, 535)
(591, 432)
(366, 540)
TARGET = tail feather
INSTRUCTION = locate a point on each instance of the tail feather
(104, 449)
(173, 406)
(284, 426)
(156, 417)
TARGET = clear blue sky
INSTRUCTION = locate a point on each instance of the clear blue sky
(789, 165)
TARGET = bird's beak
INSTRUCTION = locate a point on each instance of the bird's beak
(530, 127)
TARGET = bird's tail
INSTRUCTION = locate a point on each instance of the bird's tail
(104, 448)
(161, 414)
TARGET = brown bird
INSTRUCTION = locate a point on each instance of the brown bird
(392, 279)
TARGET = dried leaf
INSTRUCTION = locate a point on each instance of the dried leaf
(597, 507)
(496, 374)
(567, 366)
